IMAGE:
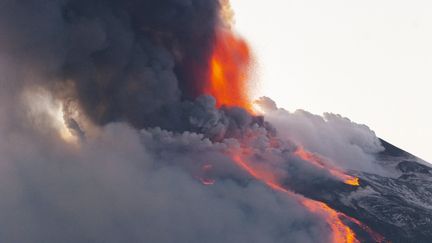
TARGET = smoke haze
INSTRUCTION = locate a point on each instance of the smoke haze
(105, 137)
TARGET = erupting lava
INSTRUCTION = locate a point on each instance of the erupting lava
(229, 64)
(320, 163)
(228, 70)
(341, 233)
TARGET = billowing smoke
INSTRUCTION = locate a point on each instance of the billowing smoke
(107, 138)
(131, 186)
(349, 145)
(119, 60)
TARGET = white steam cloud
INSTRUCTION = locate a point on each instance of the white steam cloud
(346, 144)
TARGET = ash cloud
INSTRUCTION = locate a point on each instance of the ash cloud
(131, 71)
(127, 61)
(124, 61)
(137, 186)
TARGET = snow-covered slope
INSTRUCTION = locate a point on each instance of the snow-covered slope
(398, 205)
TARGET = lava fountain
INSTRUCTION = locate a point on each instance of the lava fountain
(228, 73)
(229, 70)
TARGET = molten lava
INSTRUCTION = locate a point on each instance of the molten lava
(341, 233)
(355, 181)
(321, 163)
(228, 64)
(229, 71)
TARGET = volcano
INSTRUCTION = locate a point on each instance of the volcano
(397, 204)
(132, 121)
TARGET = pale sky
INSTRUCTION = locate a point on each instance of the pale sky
(368, 60)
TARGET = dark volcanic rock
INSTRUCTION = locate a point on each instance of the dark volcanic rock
(398, 205)
(414, 167)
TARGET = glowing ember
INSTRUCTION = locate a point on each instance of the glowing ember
(321, 163)
(229, 69)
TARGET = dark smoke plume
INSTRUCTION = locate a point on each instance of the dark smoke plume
(133, 61)
(122, 77)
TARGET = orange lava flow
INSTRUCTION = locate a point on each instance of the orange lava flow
(229, 71)
(374, 235)
(341, 233)
(320, 163)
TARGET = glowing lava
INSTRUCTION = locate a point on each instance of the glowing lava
(341, 233)
(321, 163)
(355, 181)
(228, 73)
(229, 70)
